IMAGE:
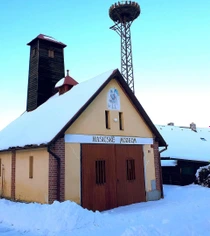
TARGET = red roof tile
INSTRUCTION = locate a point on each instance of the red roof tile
(67, 80)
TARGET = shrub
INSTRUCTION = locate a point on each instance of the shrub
(203, 176)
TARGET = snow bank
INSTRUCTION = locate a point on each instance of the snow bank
(183, 211)
(66, 216)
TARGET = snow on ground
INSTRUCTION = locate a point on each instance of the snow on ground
(11, 232)
(183, 211)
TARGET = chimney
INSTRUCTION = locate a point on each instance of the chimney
(193, 127)
(171, 124)
(65, 84)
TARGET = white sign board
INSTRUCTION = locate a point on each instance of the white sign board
(80, 138)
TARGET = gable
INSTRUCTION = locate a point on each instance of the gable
(92, 120)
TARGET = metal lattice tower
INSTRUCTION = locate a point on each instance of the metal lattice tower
(123, 14)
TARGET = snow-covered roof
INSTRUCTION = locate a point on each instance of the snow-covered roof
(60, 83)
(47, 38)
(168, 163)
(47, 122)
(204, 133)
(184, 143)
(43, 124)
(51, 38)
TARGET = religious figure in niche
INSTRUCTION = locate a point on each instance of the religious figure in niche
(113, 99)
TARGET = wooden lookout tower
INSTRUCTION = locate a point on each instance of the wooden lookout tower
(46, 68)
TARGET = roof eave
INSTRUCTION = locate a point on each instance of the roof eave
(32, 146)
(38, 38)
(181, 159)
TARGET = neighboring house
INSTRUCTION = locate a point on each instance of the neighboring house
(91, 143)
(188, 149)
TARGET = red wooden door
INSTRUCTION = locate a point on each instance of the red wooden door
(112, 175)
(98, 177)
(130, 174)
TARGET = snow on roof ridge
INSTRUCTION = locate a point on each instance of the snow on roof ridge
(50, 38)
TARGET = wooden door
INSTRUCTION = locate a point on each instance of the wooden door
(112, 175)
(130, 174)
(98, 177)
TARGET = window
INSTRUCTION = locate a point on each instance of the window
(107, 119)
(121, 121)
(51, 53)
(100, 168)
(131, 169)
(31, 163)
(34, 52)
(0, 167)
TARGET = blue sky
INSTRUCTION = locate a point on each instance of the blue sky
(170, 42)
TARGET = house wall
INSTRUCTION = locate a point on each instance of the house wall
(6, 173)
(36, 188)
(72, 177)
(152, 174)
(149, 166)
(92, 121)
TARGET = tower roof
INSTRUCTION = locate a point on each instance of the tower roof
(47, 38)
(67, 80)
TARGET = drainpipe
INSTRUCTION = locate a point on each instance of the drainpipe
(58, 170)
